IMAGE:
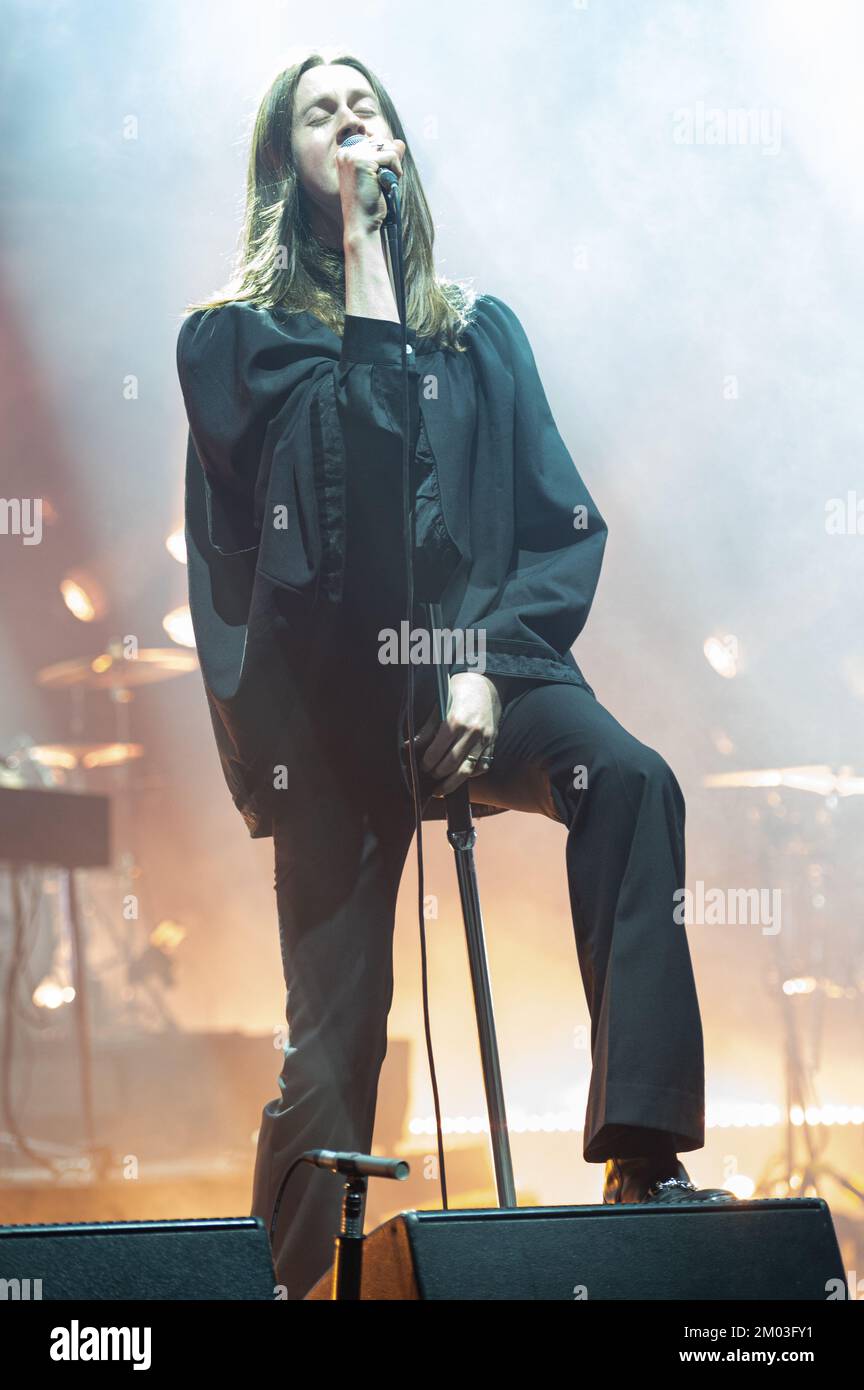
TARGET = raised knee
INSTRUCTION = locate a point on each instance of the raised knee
(653, 770)
(641, 767)
(634, 765)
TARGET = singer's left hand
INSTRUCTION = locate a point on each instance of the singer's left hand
(473, 716)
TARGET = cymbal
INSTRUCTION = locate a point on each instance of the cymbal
(88, 755)
(108, 671)
(811, 777)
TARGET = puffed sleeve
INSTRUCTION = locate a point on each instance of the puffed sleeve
(279, 407)
(559, 533)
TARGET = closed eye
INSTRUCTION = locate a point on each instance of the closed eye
(367, 115)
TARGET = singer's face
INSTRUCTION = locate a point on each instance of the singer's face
(332, 102)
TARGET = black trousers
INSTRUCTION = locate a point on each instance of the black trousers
(337, 880)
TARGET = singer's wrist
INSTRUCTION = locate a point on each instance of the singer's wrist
(360, 240)
(368, 288)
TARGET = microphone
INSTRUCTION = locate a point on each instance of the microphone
(386, 178)
(356, 1164)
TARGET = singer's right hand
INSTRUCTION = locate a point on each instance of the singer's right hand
(364, 206)
(474, 709)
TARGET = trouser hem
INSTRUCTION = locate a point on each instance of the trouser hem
(639, 1120)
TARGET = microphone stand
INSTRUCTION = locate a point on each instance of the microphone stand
(462, 835)
(347, 1281)
(461, 831)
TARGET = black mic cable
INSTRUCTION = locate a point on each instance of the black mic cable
(393, 231)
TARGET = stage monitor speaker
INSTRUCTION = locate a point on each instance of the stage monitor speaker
(190, 1260)
(755, 1250)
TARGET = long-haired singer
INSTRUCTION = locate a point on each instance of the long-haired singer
(292, 381)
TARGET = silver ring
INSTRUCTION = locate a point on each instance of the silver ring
(484, 759)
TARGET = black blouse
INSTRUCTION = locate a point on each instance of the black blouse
(294, 502)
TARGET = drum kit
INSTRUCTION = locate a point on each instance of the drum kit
(113, 671)
(806, 837)
(56, 813)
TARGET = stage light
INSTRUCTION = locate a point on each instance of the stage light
(799, 986)
(175, 544)
(722, 655)
(83, 597)
(50, 994)
(167, 936)
(741, 1185)
(719, 1115)
(178, 625)
(722, 741)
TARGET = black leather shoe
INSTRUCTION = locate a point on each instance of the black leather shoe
(673, 1192)
(656, 1182)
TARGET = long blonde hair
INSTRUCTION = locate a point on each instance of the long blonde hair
(281, 263)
